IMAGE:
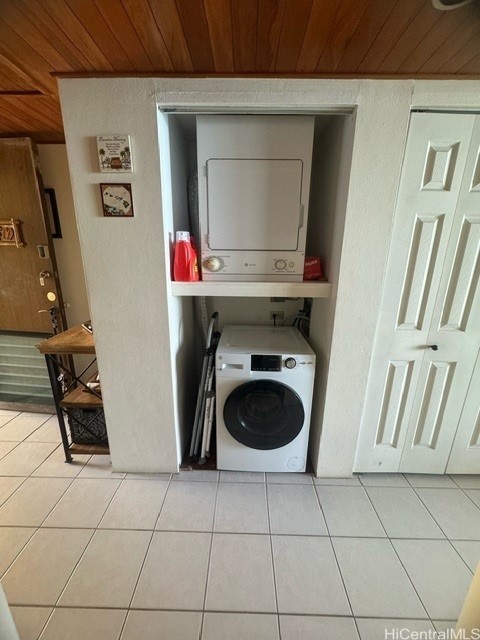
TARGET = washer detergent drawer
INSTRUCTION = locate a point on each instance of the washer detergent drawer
(233, 366)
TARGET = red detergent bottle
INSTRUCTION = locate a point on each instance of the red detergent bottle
(185, 265)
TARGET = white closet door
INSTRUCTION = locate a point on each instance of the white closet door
(455, 329)
(465, 454)
(434, 164)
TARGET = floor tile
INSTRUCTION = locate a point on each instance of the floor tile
(12, 541)
(316, 628)
(241, 508)
(307, 576)
(48, 432)
(175, 572)
(289, 478)
(348, 512)
(241, 574)
(241, 476)
(25, 458)
(474, 495)
(162, 625)
(107, 573)
(402, 513)
(22, 426)
(185, 475)
(469, 551)
(136, 505)
(438, 574)
(376, 629)
(83, 504)
(32, 501)
(8, 485)
(294, 509)
(99, 467)
(457, 516)
(445, 626)
(239, 626)
(30, 621)
(6, 447)
(6, 416)
(84, 624)
(430, 481)
(42, 569)
(467, 481)
(148, 476)
(383, 480)
(56, 467)
(376, 582)
(348, 482)
(188, 506)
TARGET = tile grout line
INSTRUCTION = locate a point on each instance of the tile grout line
(207, 577)
(272, 555)
(398, 556)
(336, 561)
(444, 533)
(143, 562)
(94, 531)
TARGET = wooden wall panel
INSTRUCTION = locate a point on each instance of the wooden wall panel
(377, 38)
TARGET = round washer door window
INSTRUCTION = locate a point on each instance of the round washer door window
(264, 414)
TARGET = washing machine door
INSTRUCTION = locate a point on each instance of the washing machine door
(264, 414)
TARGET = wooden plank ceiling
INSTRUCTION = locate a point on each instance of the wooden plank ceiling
(38, 38)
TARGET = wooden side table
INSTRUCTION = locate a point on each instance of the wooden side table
(69, 389)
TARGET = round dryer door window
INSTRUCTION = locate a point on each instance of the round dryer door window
(264, 414)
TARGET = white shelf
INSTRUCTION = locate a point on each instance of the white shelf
(254, 289)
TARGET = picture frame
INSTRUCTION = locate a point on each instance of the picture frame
(117, 199)
(114, 153)
(52, 213)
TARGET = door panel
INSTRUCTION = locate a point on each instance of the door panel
(465, 455)
(404, 379)
(22, 294)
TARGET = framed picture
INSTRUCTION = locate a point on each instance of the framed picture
(117, 200)
(52, 213)
(114, 153)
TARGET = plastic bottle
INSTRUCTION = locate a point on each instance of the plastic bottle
(185, 265)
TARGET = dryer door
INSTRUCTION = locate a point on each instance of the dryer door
(264, 414)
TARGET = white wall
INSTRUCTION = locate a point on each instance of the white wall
(125, 269)
(126, 263)
(54, 167)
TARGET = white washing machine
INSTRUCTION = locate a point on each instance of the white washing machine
(264, 388)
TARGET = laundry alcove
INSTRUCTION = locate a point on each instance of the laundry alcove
(251, 303)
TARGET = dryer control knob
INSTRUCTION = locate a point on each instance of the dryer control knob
(212, 264)
(280, 264)
(290, 363)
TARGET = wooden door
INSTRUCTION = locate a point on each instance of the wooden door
(405, 396)
(24, 292)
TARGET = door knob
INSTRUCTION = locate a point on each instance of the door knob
(433, 347)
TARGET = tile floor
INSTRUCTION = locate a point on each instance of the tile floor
(90, 554)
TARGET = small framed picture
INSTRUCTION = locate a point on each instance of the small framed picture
(117, 200)
(52, 213)
(114, 153)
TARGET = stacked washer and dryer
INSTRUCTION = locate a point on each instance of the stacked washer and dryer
(253, 194)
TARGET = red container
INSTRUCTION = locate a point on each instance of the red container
(185, 265)
(312, 269)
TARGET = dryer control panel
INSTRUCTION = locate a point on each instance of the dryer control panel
(266, 363)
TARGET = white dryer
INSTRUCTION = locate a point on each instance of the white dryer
(264, 388)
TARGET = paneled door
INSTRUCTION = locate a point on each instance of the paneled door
(29, 284)
(426, 343)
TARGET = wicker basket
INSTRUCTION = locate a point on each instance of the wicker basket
(94, 419)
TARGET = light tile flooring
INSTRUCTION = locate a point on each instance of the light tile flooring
(89, 554)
